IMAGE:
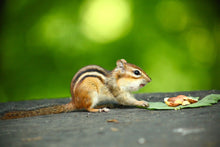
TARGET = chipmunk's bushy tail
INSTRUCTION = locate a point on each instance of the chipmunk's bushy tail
(42, 111)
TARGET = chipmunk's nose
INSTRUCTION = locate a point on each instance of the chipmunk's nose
(148, 79)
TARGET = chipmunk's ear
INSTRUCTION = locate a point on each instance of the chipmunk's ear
(121, 64)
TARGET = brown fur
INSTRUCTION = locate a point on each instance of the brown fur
(82, 96)
(42, 111)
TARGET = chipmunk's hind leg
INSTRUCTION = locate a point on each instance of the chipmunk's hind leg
(95, 100)
(98, 110)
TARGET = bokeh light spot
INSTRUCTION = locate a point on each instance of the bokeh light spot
(166, 74)
(172, 15)
(58, 30)
(105, 20)
(201, 46)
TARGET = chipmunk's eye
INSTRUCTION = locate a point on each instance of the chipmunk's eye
(137, 72)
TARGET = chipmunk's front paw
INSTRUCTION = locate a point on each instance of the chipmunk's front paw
(142, 103)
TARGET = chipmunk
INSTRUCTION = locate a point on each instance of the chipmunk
(93, 84)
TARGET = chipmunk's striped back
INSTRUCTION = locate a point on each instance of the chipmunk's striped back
(85, 72)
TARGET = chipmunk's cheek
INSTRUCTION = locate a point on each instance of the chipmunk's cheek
(134, 88)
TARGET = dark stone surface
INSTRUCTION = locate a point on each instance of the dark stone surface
(136, 127)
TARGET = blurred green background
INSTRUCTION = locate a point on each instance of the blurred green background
(44, 43)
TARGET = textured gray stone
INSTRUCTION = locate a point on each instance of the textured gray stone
(136, 127)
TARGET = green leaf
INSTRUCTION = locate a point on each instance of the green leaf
(206, 101)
